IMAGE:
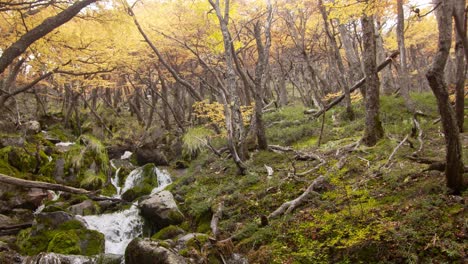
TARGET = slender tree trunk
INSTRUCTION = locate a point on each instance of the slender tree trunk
(341, 78)
(373, 130)
(231, 100)
(460, 18)
(387, 85)
(404, 78)
(356, 73)
(454, 160)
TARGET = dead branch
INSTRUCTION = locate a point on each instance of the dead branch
(13, 229)
(215, 220)
(289, 206)
(387, 164)
(433, 164)
(361, 82)
(417, 126)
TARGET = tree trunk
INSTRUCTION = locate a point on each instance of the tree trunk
(435, 76)
(373, 130)
(231, 100)
(338, 61)
(387, 85)
(404, 80)
(353, 60)
(460, 17)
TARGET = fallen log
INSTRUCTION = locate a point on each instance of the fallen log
(289, 206)
(353, 88)
(13, 229)
(55, 187)
(41, 185)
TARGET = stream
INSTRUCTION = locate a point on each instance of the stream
(120, 228)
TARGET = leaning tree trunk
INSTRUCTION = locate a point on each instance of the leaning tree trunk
(351, 56)
(373, 130)
(435, 76)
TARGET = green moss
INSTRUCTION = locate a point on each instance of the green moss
(147, 182)
(168, 233)
(109, 190)
(65, 243)
(68, 238)
(197, 241)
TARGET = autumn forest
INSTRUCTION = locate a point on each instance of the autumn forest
(233, 131)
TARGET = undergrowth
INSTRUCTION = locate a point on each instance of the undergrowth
(377, 211)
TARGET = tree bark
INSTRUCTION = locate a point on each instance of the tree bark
(373, 130)
(435, 76)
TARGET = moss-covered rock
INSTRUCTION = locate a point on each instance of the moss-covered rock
(168, 232)
(58, 232)
(144, 180)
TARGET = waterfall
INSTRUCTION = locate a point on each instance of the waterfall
(120, 228)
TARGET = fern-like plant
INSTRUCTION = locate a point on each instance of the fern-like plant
(195, 139)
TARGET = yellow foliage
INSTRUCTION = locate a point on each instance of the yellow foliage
(356, 96)
(213, 113)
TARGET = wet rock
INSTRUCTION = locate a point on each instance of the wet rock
(143, 180)
(53, 258)
(87, 207)
(6, 221)
(145, 251)
(161, 210)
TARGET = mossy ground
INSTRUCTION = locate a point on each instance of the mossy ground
(373, 213)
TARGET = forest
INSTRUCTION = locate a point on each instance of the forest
(233, 131)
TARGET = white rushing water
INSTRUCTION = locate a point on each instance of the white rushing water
(120, 228)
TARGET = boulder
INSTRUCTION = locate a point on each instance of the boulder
(145, 251)
(7, 255)
(59, 232)
(13, 140)
(147, 154)
(32, 127)
(31, 199)
(161, 210)
(52, 258)
(87, 207)
(143, 180)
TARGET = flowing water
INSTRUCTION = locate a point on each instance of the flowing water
(119, 228)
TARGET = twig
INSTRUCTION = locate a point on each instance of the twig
(289, 206)
(387, 164)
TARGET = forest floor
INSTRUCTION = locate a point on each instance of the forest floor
(377, 205)
(374, 209)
